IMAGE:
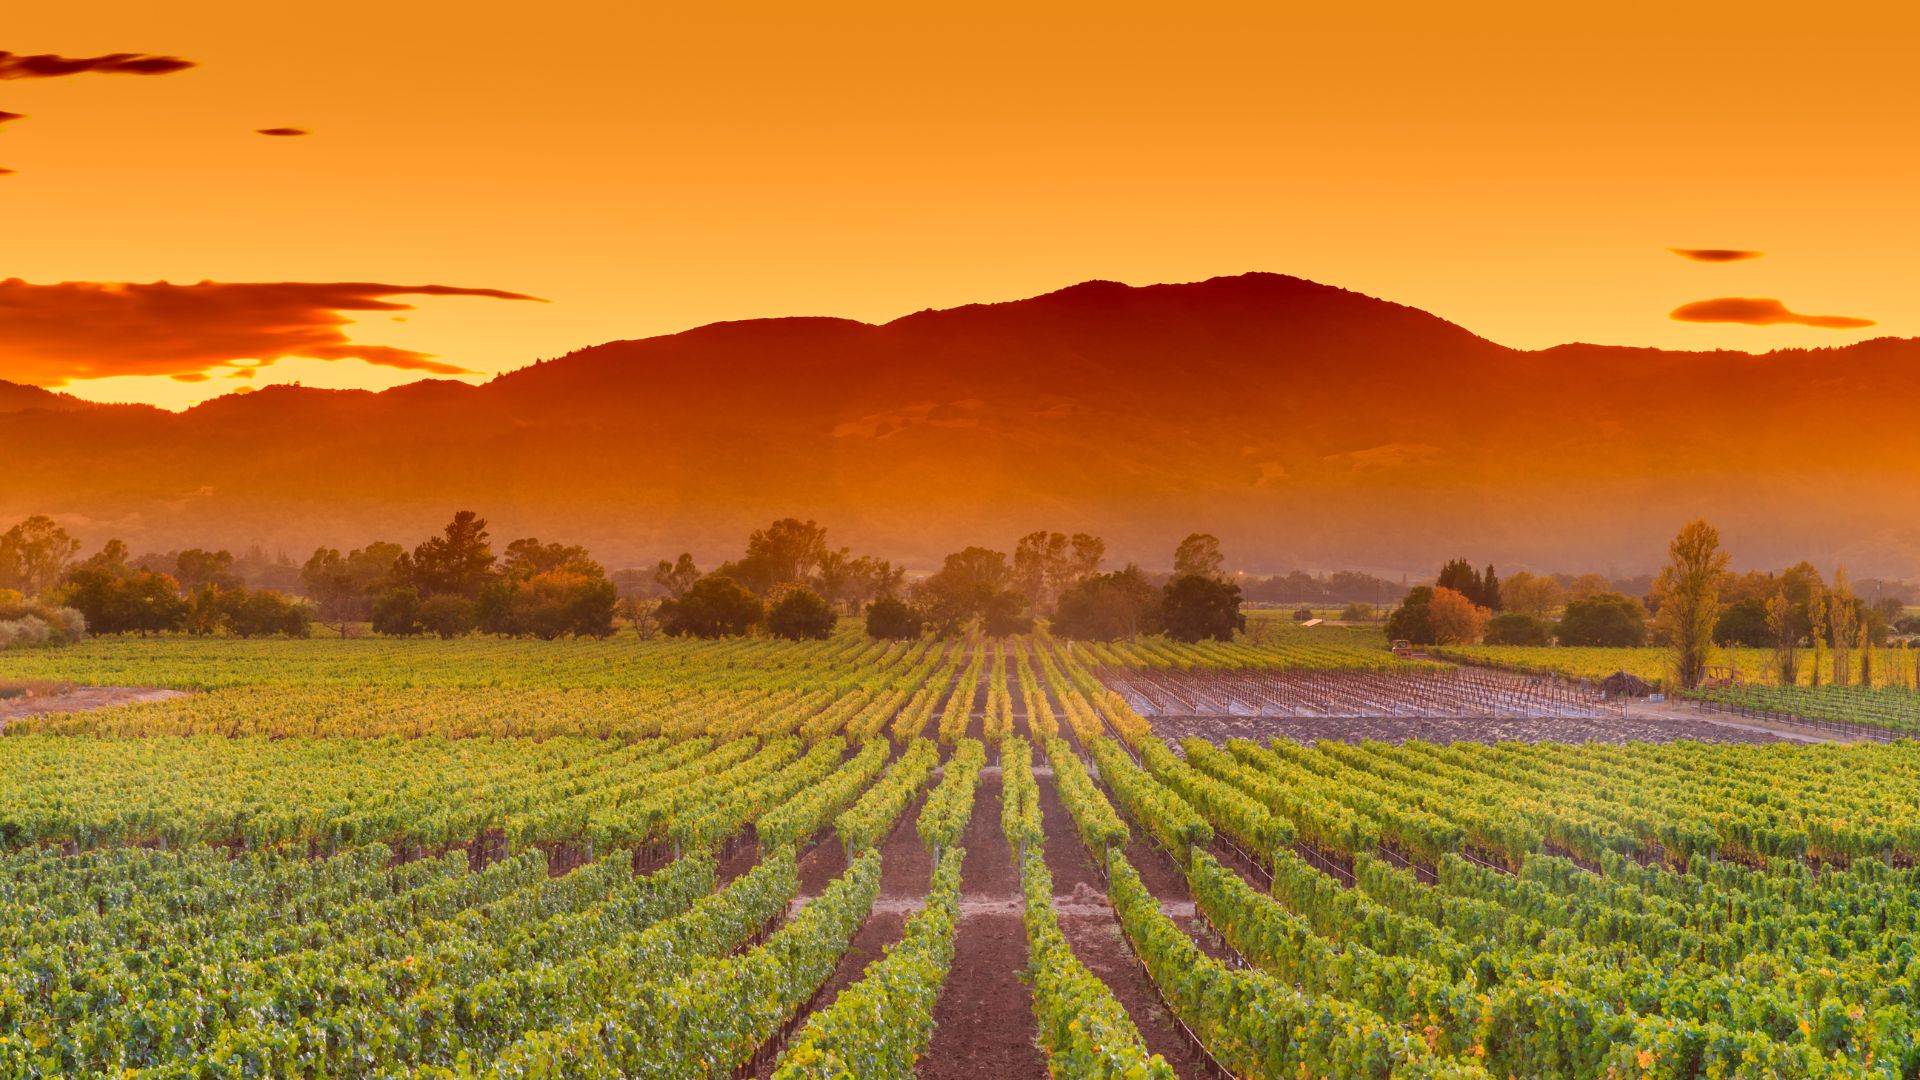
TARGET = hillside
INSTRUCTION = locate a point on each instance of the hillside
(1306, 425)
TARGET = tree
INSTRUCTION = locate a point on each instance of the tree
(1005, 614)
(1841, 619)
(397, 612)
(1412, 620)
(716, 606)
(1481, 589)
(150, 603)
(33, 554)
(800, 615)
(263, 612)
(1199, 556)
(677, 577)
(1108, 607)
(966, 584)
(447, 615)
(1608, 619)
(1688, 590)
(456, 563)
(569, 600)
(1455, 618)
(891, 618)
(1046, 565)
(1744, 623)
(1587, 586)
(529, 558)
(1532, 594)
(1518, 628)
(1786, 634)
(1195, 607)
(195, 568)
(784, 553)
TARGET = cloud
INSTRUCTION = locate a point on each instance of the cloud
(1716, 255)
(283, 131)
(49, 66)
(50, 334)
(6, 116)
(1758, 312)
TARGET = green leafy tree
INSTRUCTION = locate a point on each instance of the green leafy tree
(801, 614)
(786, 552)
(447, 616)
(397, 612)
(892, 618)
(1108, 607)
(716, 606)
(33, 554)
(456, 563)
(678, 576)
(1516, 628)
(1199, 556)
(1412, 621)
(1608, 619)
(1744, 623)
(1195, 607)
(1688, 590)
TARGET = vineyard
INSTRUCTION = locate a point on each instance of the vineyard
(934, 859)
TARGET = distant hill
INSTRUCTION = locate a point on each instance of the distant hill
(1305, 425)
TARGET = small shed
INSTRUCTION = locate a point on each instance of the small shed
(1621, 684)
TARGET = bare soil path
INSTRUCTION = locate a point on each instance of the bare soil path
(983, 1023)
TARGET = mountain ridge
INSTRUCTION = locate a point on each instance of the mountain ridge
(1307, 425)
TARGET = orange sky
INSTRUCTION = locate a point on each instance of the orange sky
(1521, 169)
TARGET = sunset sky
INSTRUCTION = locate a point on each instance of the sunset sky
(1521, 169)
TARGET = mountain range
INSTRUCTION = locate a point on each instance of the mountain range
(1305, 425)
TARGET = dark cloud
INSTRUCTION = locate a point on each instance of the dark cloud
(50, 334)
(6, 116)
(6, 172)
(49, 66)
(1760, 312)
(1716, 255)
(287, 131)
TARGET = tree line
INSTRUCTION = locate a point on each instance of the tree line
(1694, 606)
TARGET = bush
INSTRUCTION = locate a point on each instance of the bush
(1302, 614)
(1358, 612)
(24, 632)
(800, 615)
(448, 616)
(1514, 628)
(892, 618)
(716, 606)
(26, 622)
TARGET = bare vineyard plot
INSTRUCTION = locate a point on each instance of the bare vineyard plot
(1351, 694)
